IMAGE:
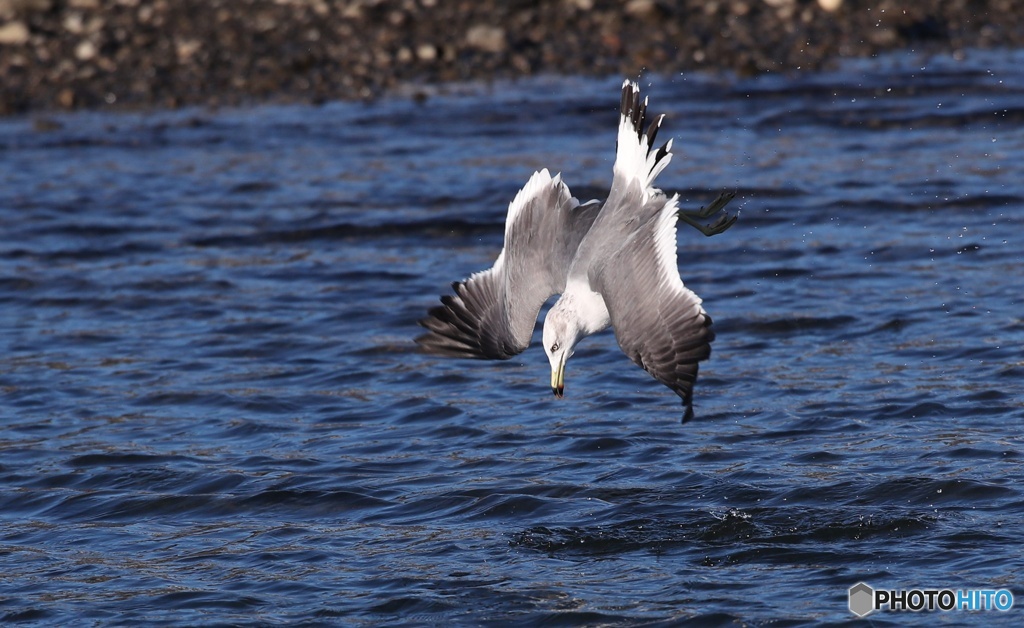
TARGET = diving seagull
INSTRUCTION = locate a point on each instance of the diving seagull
(613, 263)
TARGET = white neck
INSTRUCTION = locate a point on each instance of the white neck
(587, 305)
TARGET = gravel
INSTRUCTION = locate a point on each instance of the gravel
(67, 54)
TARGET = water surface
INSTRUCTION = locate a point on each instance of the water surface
(213, 410)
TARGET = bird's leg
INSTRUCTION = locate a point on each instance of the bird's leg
(694, 218)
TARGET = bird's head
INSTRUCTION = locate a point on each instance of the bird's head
(561, 333)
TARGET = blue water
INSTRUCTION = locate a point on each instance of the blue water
(214, 411)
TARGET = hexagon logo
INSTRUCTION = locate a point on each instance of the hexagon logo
(862, 599)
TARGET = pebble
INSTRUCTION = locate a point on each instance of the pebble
(486, 38)
(185, 48)
(85, 50)
(641, 8)
(12, 7)
(13, 34)
(426, 52)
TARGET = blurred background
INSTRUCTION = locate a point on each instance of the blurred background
(89, 53)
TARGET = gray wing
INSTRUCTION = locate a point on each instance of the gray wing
(658, 322)
(492, 314)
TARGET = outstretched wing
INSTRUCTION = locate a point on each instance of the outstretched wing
(659, 323)
(492, 314)
(632, 199)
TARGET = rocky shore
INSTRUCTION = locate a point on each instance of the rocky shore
(66, 54)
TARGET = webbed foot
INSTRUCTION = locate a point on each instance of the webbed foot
(695, 218)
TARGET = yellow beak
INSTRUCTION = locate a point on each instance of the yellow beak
(558, 378)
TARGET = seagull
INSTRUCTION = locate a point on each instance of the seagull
(613, 263)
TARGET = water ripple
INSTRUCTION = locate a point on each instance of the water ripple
(216, 413)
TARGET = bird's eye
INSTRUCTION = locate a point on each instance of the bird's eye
(554, 347)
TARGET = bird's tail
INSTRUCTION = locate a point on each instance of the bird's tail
(635, 160)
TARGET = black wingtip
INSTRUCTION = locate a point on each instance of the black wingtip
(661, 152)
(639, 114)
(632, 107)
(627, 98)
(652, 132)
(687, 415)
